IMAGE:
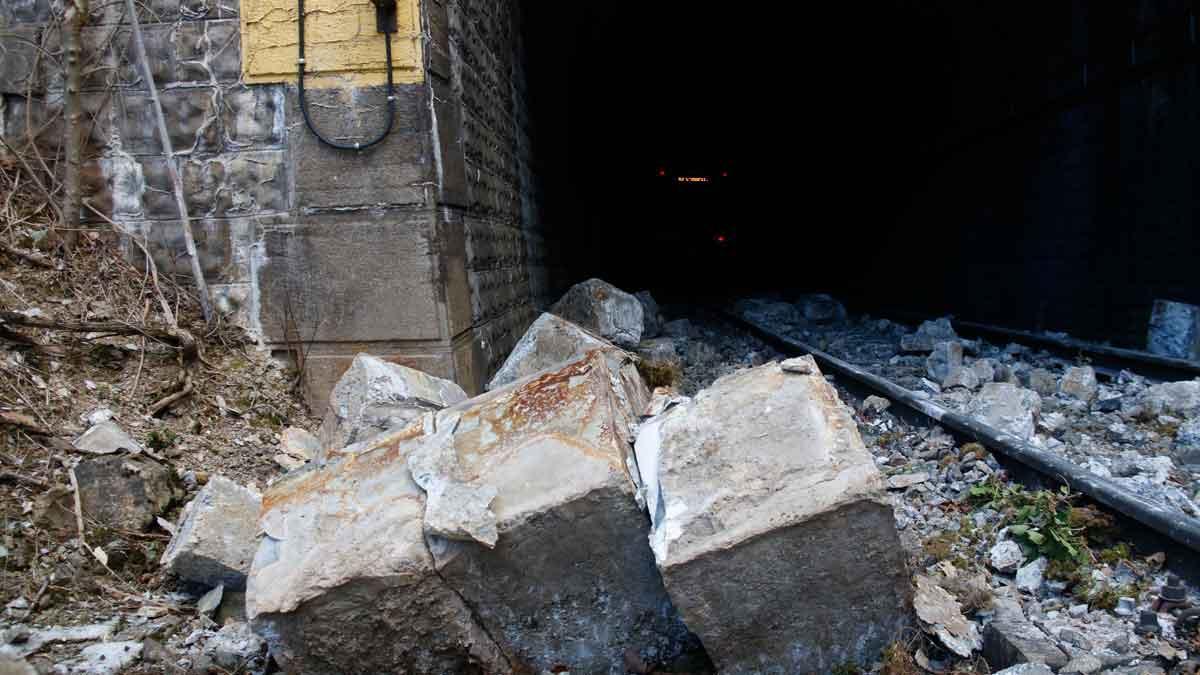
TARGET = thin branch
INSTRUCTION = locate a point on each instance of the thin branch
(189, 239)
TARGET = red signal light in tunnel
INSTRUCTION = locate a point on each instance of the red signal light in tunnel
(720, 238)
(724, 174)
(662, 172)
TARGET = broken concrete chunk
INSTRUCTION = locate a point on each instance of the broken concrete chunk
(106, 438)
(750, 509)
(551, 341)
(1007, 407)
(941, 615)
(1079, 382)
(651, 319)
(104, 658)
(946, 358)
(375, 396)
(456, 507)
(1011, 639)
(603, 309)
(928, 334)
(1171, 398)
(215, 540)
(1174, 330)
(348, 574)
(299, 443)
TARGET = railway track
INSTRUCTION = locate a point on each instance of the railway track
(1105, 358)
(1171, 523)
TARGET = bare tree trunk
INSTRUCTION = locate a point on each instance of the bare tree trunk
(74, 19)
(189, 239)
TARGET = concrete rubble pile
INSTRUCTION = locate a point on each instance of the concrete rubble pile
(509, 532)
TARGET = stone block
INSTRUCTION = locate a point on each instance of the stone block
(359, 278)
(928, 334)
(253, 116)
(1174, 330)
(348, 573)
(603, 309)
(770, 526)
(216, 536)
(1079, 382)
(550, 341)
(374, 396)
(397, 172)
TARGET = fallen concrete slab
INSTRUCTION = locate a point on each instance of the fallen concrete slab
(769, 525)
(376, 396)
(350, 570)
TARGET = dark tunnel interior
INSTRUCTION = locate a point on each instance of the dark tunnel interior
(1026, 165)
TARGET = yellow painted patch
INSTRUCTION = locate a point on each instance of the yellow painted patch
(341, 47)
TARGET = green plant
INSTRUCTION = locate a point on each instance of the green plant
(161, 440)
(1041, 520)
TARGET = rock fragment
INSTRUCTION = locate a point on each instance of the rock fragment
(1170, 398)
(941, 615)
(651, 320)
(1011, 639)
(375, 396)
(1043, 382)
(1079, 382)
(1007, 407)
(603, 309)
(106, 438)
(124, 492)
(1031, 576)
(216, 536)
(679, 328)
(746, 504)
(821, 308)
(876, 404)
(235, 647)
(1006, 556)
(928, 334)
(946, 358)
(550, 341)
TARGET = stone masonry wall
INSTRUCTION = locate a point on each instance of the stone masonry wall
(423, 249)
(489, 192)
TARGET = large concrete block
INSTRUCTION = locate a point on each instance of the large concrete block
(603, 309)
(1174, 330)
(343, 580)
(550, 341)
(350, 573)
(374, 396)
(770, 528)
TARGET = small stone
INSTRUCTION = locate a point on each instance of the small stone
(1026, 669)
(1084, 664)
(1007, 407)
(947, 358)
(941, 615)
(1079, 382)
(1043, 382)
(105, 658)
(99, 416)
(1031, 576)
(984, 369)
(210, 601)
(927, 335)
(1006, 556)
(875, 404)
(1078, 611)
(106, 438)
(1125, 606)
(906, 480)
(299, 443)
(235, 646)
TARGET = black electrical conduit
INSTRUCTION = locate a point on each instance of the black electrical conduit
(1173, 524)
(391, 93)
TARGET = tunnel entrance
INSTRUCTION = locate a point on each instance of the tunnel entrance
(922, 156)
